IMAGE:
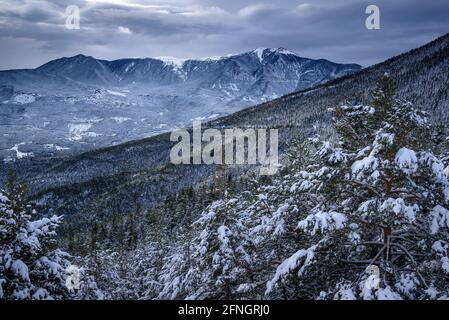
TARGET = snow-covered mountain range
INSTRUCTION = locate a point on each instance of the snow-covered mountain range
(79, 103)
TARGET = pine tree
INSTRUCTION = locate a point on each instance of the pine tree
(148, 259)
(379, 224)
(30, 268)
(221, 251)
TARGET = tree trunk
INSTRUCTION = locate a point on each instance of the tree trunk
(387, 235)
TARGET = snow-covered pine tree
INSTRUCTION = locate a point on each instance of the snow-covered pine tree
(104, 272)
(178, 278)
(221, 251)
(215, 263)
(148, 258)
(379, 228)
(30, 266)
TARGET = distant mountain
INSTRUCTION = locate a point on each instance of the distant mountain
(79, 103)
(94, 184)
(239, 72)
(81, 68)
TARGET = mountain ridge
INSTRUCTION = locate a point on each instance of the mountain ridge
(261, 52)
(178, 65)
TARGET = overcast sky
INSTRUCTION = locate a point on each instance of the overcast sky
(33, 32)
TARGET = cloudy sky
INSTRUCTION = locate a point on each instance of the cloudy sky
(33, 31)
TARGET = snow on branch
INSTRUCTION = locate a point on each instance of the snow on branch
(399, 208)
(301, 258)
(367, 164)
(440, 219)
(323, 221)
(406, 160)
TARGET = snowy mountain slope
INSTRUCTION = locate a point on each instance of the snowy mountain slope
(74, 184)
(73, 102)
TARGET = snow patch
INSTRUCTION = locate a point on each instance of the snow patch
(365, 164)
(120, 119)
(323, 221)
(55, 146)
(19, 154)
(172, 61)
(406, 160)
(259, 53)
(24, 98)
(440, 219)
(399, 207)
(76, 130)
(116, 93)
(289, 265)
(20, 269)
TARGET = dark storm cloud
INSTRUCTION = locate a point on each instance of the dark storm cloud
(32, 32)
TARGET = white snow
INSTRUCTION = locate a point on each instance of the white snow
(445, 264)
(399, 207)
(259, 53)
(337, 156)
(77, 130)
(19, 154)
(440, 219)
(91, 134)
(406, 159)
(215, 58)
(20, 269)
(290, 264)
(116, 93)
(283, 51)
(129, 66)
(35, 226)
(323, 221)
(278, 217)
(432, 292)
(222, 233)
(55, 146)
(262, 196)
(385, 138)
(172, 61)
(438, 247)
(407, 284)
(387, 294)
(120, 119)
(24, 98)
(367, 163)
(346, 292)
(40, 294)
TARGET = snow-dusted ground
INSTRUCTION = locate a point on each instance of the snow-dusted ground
(24, 98)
